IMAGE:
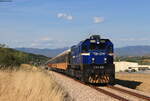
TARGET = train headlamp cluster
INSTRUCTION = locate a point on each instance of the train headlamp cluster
(94, 41)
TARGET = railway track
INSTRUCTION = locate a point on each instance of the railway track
(147, 98)
(112, 94)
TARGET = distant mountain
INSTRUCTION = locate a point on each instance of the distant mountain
(133, 51)
(124, 51)
(45, 52)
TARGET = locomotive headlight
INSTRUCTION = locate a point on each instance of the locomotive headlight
(93, 59)
(105, 60)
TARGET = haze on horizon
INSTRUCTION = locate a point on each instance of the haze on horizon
(63, 23)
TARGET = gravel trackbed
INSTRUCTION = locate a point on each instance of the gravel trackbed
(79, 92)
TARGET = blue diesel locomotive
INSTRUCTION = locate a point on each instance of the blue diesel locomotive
(90, 61)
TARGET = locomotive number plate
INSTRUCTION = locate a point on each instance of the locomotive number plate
(98, 67)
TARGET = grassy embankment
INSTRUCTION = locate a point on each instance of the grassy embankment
(29, 85)
(136, 81)
(25, 82)
(13, 58)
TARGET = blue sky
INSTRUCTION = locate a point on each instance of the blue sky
(63, 23)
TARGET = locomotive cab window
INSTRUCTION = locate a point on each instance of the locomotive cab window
(93, 46)
(102, 46)
(84, 48)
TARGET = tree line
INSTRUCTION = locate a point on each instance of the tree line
(142, 60)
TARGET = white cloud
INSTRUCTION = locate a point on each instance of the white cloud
(98, 19)
(59, 15)
(64, 16)
(45, 39)
(69, 17)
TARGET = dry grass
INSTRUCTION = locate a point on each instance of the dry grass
(29, 86)
(142, 79)
(146, 60)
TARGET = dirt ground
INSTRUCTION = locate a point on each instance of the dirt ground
(136, 81)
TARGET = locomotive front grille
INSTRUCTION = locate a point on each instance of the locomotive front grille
(99, 78)
(100, 74)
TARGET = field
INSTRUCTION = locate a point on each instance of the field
(29, 85)
(136, 81)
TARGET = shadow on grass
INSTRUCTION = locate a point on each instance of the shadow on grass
(127, 83)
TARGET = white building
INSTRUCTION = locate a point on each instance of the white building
(123, 65)
(142, 67)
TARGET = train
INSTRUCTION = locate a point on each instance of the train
(90, 61)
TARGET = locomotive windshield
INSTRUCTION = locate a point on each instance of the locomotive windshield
(101, 45)
(95, 46)
(84, 48)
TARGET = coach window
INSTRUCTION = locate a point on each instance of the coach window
(59, 59)
(64, 58)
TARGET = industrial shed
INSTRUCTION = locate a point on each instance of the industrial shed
(123, 65)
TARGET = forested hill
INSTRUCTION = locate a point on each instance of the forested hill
(12, 57)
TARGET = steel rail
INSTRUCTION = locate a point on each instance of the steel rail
(130, 92)
(110, 94)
